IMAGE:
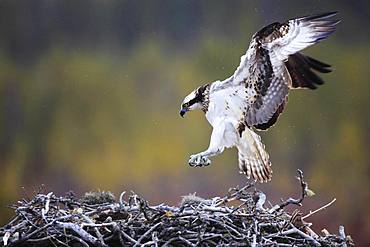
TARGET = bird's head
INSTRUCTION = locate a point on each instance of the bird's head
(195, 100)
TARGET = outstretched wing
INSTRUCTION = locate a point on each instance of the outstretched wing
(296, 34)
(266, 87)
(272, 65)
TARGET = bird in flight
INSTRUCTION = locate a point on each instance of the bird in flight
(255, 95)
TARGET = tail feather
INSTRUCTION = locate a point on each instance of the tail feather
(253, 158)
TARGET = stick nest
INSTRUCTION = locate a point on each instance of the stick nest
(240, 218)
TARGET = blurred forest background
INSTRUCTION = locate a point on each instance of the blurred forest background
(90, 93)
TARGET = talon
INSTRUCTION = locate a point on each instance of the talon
(196, 161)
(199, 161)
(208, 162)
(192, 161)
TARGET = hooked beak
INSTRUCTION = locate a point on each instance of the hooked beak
(183, 111)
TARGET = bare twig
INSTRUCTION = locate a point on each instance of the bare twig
(128, 237)
(68, 221)
(342, 234)
(319, 209)
(147, 233)
(81, 232)
(291, 200)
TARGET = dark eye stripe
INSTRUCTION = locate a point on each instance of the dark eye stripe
(198, 98)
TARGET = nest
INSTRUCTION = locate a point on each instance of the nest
(240, 218)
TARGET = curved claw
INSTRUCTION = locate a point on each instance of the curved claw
(206, 161)
(199, 161)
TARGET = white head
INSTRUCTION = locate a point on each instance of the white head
(195, 100)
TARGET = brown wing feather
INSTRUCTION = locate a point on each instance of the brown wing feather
(275, 65)
(269, 97)
(302, 71)
(274, 118)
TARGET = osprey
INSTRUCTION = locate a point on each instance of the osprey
(255, 95)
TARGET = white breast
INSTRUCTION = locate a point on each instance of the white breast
(227, 104)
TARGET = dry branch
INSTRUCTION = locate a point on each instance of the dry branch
(98, 220)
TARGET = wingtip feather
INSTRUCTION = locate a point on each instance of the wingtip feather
(321, 16)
